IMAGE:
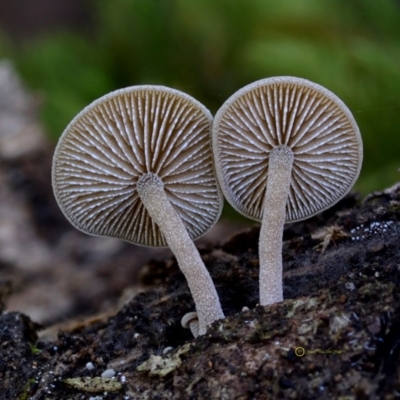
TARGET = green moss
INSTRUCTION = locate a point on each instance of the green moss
(34, 349)
(25, 395)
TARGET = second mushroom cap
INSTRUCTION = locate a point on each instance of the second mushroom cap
(286, 112)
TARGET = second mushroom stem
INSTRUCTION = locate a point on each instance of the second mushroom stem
(273, 220)
(151, 191)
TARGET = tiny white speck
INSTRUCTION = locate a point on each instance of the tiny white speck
(355, 316)
(167, 349)
(108, 373)
(89, 366)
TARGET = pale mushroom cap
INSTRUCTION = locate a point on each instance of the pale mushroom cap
(109, 145)
(188, 318)
(286, 111)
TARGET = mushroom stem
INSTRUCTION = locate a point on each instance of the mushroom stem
(151, 191)
(273, 220)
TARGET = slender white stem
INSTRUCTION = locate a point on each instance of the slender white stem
(274, 215)
(151, 191)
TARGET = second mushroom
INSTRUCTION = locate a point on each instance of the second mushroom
(137, 165)
(285, 149)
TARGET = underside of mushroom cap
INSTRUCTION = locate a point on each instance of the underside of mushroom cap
(286, 112)
(114, 141)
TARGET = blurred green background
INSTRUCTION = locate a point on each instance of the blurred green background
(211, 48)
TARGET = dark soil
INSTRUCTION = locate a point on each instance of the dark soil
(91, 318)
(336, 336)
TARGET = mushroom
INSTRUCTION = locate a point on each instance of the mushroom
(137, 165)
(191, 321)
(285, 149)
